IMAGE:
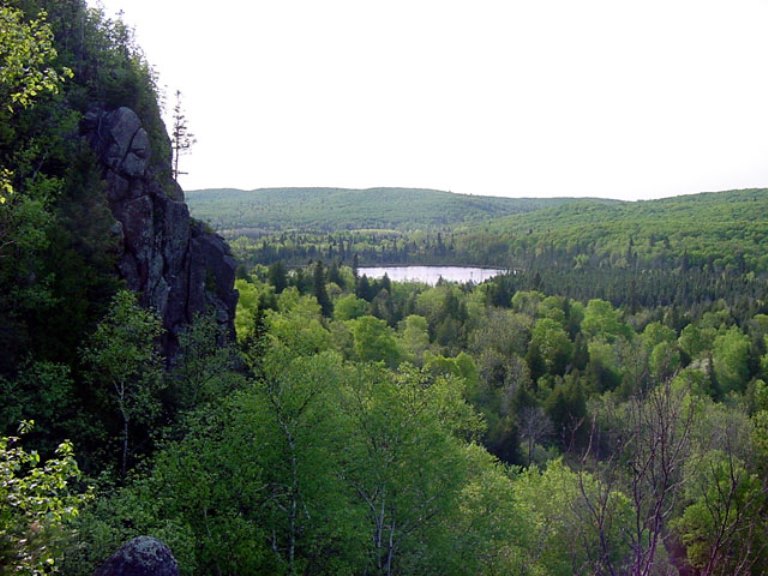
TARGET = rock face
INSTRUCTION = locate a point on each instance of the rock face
(178, 268)
(142, 556)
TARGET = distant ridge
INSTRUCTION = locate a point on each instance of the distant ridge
(716, 231)
(322, 209)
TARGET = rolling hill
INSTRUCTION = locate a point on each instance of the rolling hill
(333, 209)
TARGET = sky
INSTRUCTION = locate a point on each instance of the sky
(627, 99)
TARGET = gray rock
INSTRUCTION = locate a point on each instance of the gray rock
(142, 556)
(135, 161)
(178, 268)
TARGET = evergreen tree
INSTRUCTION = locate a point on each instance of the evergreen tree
(320, 291)
(182, 139)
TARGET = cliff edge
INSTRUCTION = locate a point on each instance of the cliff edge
(178, 268)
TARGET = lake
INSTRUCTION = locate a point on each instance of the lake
(430, 274)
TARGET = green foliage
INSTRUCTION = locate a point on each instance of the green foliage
(687, 251)
(298, 324)
(124, 368)
(349, 307)
(600, 318)
(333, 209)
(408, 465)
(603, 368)
(320, 291)
(486, 532)
(340, 458)
(720, 527)
(56, 249)
(551, 344)
(118, 515)
(26, 49)
(415, 338)
(731, 356)
(254, 484)
(560, 532)
(42, 391)
(374, 341)
(320, 468)
(36, 505)
(203, 371)
(566, 408)
(248, 306)
(693, 341)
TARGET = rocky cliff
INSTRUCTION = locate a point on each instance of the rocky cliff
(178, 267)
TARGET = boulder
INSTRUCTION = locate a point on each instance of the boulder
(142, 556)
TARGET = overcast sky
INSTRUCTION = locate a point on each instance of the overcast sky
(610, 98)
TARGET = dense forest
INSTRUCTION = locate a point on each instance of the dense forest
(600, 409)
(336, 209)
(685, 252)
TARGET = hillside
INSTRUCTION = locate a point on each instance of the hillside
(723, 229)
(716, 228)
(333, 209)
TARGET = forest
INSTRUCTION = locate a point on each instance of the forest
(600, 409)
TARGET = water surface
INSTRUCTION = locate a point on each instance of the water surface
(431, 274)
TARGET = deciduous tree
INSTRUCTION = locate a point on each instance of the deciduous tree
(125, 369)
(36, 501)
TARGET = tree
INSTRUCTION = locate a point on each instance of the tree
(527, 302)
(487, 528)
(26, 50)
(27, 74)
(560, 536)
(182, 139)
(567, 410)
(407, 464)
(415, 338)
(731, 360)
(349, 307)
(551, 342)
(278, 276)
(639, 447)
(501, 330)
(375, 341)
(655, 333)
(297, 325)
(256, 484)
(203, 370)
(652, 448)
(45, 391)
(124, 367)
(664, 361)
(303, 450)
(722, 525)
(35, 503)
(603, 369)
(722, 518)
(320, 291)
(601, 320)
(693, 341)
(534, 426)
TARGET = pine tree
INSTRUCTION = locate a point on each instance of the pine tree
(181, 138)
